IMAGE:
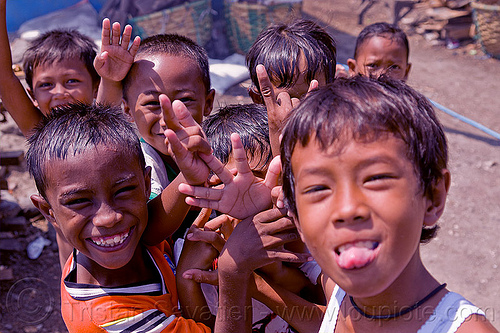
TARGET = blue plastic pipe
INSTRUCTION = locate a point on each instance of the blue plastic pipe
(466, 120)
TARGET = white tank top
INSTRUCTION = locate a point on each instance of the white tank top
(450, 313)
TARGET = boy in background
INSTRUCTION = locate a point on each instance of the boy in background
(177, 67)
(250, 122)
(381, 48)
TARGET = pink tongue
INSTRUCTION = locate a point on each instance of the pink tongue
(355, 257)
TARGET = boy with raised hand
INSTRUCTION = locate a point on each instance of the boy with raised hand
(113, 281)
(294, 58)
(59, 70)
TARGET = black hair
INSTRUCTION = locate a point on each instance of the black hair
(175, 45)
(249, 121)
(382, 29)
(367, 109)
(280, 46)
(57, 45)
(75, 128)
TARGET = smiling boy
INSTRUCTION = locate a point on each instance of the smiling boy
(94, 189)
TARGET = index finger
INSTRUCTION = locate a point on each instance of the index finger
(169, 116)
(266, 87)
(183, 115)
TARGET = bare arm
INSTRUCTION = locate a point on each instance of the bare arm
(14, 96)
(197, 255)
(303, 315)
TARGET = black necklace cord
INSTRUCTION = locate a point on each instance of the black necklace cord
(400, 313)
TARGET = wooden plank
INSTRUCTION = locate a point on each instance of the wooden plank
(14, 157)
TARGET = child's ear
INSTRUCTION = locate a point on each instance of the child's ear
(255, 95)
(209, 103)
(407, 72)
(352, 66)
(95, 88)
(297, 224)
(127, 111)
(436, 198)
(44, 207)
(32, 95)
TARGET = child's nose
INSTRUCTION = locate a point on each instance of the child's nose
(59, 91)
(349, 205)
(107, 216)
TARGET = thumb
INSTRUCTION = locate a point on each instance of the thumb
(100, 60)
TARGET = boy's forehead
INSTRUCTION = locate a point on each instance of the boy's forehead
(147, 67)
(380, 41)
(92, 155)
(336, 146)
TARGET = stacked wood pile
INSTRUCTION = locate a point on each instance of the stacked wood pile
(440, 21)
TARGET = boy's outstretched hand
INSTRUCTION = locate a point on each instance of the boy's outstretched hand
(185, 140)
(278, 107)
(242, 195)
(116, 58)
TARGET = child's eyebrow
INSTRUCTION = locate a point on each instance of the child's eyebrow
(74, 191)
(376, 160)
(125, 179)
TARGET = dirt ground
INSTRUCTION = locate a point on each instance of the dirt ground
(466, 253)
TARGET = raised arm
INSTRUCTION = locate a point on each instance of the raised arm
(114, 61)
(14, 97)
(239, 259)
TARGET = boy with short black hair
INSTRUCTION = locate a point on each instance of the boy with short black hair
(365, 178)
(94, 189)
(177, 67)
(381, 48)
(294, 58)
(249, 121)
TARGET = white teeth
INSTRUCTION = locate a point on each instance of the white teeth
(112, 241)
(366, 244)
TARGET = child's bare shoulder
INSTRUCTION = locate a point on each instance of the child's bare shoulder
(477, 324)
